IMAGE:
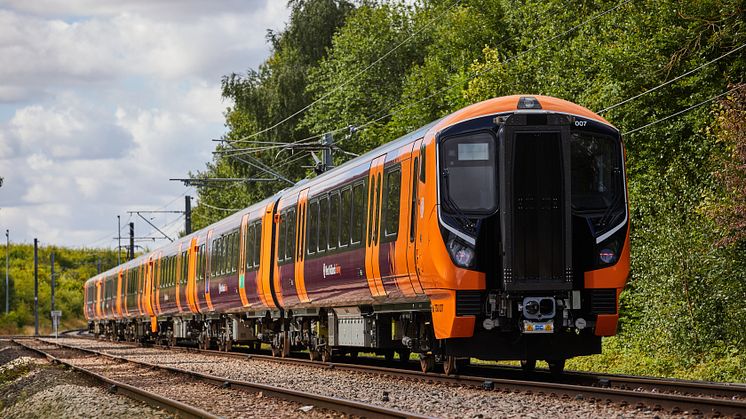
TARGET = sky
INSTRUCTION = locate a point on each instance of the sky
(102, 102)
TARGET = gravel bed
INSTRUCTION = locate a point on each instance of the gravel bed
(30, 387)
(224, 402)
(433, 399)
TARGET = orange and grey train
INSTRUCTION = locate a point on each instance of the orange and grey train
(500, 231)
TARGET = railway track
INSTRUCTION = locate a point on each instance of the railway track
(206, 395)
(672, 396)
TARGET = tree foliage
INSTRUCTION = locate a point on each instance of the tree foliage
(687, 290)
(72, 268)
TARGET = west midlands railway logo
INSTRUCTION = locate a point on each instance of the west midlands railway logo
(331, 270)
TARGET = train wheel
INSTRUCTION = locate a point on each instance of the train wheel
(326, 355)
(449, 365)
(275, 351)
(528, 365)
(427, 362)
(313, 355)
(389, 355)
(557, 366)
(228, 345)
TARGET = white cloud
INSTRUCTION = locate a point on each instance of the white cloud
(70, 129)
(109, 46)
(104, 102)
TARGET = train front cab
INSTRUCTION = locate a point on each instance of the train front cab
(534, 233)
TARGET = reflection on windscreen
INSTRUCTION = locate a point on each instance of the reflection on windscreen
(595, 163)
(470, 183)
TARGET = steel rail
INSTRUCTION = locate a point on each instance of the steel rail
(624, 382)
(349, 407)
(159, 402)
(622, 394)
(674, 402)
(726, 390)
(606, 387)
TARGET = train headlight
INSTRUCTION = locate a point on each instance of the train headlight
(607, 255)
(462, 254)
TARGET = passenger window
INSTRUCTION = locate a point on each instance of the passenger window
(313, 227)
(203, 258)
(247, 245)
(236, 245)
(323, 223)
(392, 203)
(290, 235)
(185, 266)
(345, 217)
(358, 212)
(283, 236)
(257, 244)
(333, 220)
(423, 154)
(233, 252)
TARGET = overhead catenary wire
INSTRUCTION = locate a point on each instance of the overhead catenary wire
(218, 208)
(669, 81)
(165, 227)
(704, 102)
(358, 74)
(108, 236)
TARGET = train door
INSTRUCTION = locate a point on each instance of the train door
(119, 294)
(125, 292)
(535, 200)
(98, 298)
(175, 273)
(264, 274)
(157, 283)
(140, 290)
(372, 250)
(150, 286)
(198, 291)
(300, 240)
(413, 206)
(242, 260)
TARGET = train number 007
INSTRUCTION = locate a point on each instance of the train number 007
(580, 123)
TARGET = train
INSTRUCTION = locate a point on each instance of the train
(498, 232)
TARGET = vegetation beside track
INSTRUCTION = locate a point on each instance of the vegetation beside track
(682, 310)
(72, 268)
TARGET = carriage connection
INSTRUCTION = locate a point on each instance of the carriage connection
(500, 231)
